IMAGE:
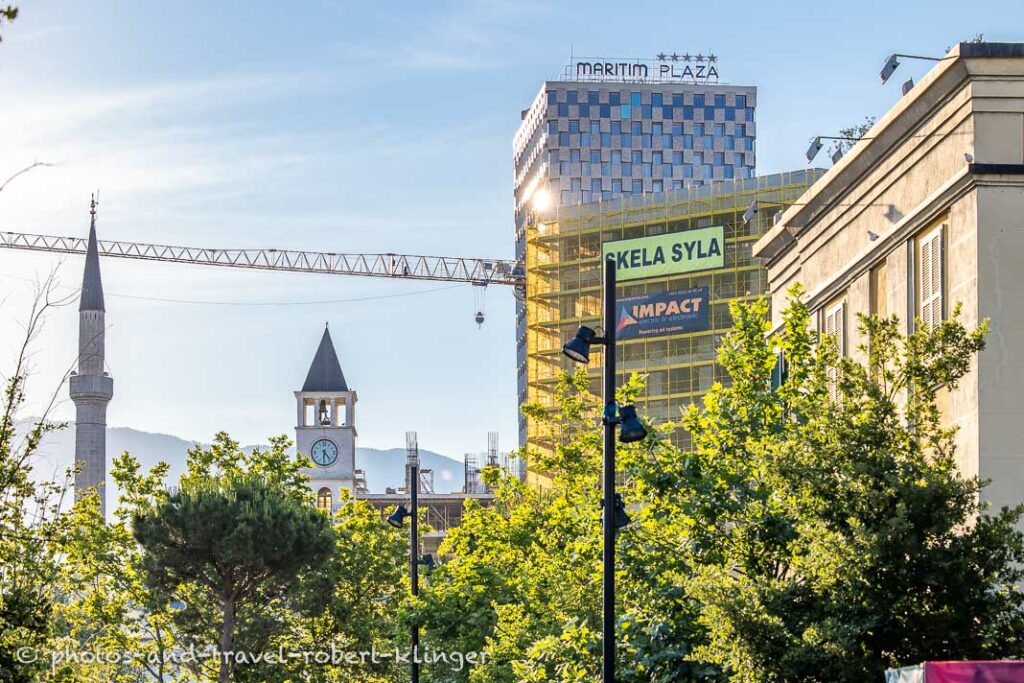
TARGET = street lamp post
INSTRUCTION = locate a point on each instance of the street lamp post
(631, 429)
(396, 520)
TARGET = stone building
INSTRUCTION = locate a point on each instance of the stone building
(925, 213)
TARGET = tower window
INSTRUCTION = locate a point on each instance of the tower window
(324, 499)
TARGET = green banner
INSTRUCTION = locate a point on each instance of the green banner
(669, 254)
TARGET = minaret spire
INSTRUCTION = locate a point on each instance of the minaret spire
(91, 387)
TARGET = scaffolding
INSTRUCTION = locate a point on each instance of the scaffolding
(563, 290)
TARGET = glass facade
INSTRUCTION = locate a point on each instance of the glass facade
(563, 289)
(598, 142)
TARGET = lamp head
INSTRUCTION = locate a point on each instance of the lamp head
(397, 518)
(631, 429)
(813, 150)
(578, 348)
(621, 518)
(749, 214)
(890, 66)
(429, 562)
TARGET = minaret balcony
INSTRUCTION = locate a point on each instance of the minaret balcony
(94, 387)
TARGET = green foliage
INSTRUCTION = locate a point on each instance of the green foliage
(8, 13)
(231, 539)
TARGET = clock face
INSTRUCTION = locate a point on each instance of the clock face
(324, 452)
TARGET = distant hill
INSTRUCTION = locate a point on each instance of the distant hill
(384, 468)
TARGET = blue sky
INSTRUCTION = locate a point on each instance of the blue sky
(343, 127)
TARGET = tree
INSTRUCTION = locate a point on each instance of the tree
(234, 537)
(830, 533)
(8, 13)
(854, 133)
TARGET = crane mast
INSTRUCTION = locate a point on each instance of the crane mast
(479, 272)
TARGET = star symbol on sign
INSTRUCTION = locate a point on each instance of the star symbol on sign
(661, 56)
(712, 58)
(700, 58)
(686, 57)
(675, 57)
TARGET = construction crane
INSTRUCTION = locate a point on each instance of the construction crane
(479, 272)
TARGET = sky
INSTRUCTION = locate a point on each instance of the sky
(353, 127)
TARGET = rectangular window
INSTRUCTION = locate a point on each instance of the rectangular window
(592, 97)
(552, 127)
(688, 112)
(574, 126)
(677, 100)
(574, 156)
(730, 173)
(585, 196)
(606, 168)
(657, 186)
(698, 100)
(606, 139)
(605, 111)
(636, 128)
(835, 329)
(666, 171)
(741, 101)
(617, 186)
(930, 277)
(585, 168)
(687, 142)
(656, 99)
(585, 139)
(616, 127)
(638, 157)
(627, 168)
(638, 187)
(576, 185)
(595, 185)
(645, 170)
(627, 140)
(625, 111)
(595, 127)
(563, 168)
(552, 97)
(677, 158)
(634, 99)
(879, 293)
(563, 109)
(613, 99)
(719, 100)
(656, 129)
(646, 111)
(645, 141)
(656, 157)
(572, 97)
(595, 156)
(584, 110)
(616, 156)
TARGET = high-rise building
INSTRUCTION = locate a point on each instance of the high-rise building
(91, 387)
(670, 322)
(618, 128)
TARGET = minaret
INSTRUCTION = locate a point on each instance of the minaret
(91, 386)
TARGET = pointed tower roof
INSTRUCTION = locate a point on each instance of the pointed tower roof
(92, 285)
(325, 372)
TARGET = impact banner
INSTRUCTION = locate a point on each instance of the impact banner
(669, 254)
(651, 315)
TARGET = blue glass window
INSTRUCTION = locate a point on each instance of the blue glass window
(595, 127)
(606, 195)
(688, 113)
(646, 112)
(656, 99)
(698, 100)
(595, 185)
(709, 142)
(698, 159)
(571, 96)
(719, 100)
(605, 111)
(657, 185)
(638, 157)
(616, 156)
(708, 172)
(666, 171)
(586, 196)
(719, 130)
(677, 100)
(584, 110)
(595, 156)
(656, 158)
(718, 159)
(576, 184)
(625, 111)
(638, 187)
(585, 168)
(677, 158)
(574, 156)
(606, 139)
(677, 129)
(645, 141)
(741, 130)
(688, 171)
(552, 127)
(552, 156)
(666, 141)
(750, 114)
(634, 99)
(729, 172)
(741, 101)
(636, 128)
(687, 142)
(563, 109)
(585, 139)
(574, 126)
(666, 112)
(730, 114)
(592, 96)
(616, 127)
(552, 97)
(627, 168)
(627, 140)
(645, 170)
(656, 128)
(606, 168)
(709, 113)
(563, 168)
(563, 139)
(730, 143)
(617, 186)
(750, 144)
(613, 98)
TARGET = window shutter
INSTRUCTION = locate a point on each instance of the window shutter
(930, 284)
(835, 328)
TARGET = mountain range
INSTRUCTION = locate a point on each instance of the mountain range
(384, 468)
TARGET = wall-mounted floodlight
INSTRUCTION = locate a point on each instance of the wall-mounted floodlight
(749, 214)
(631, 429)
(837, 154)
(397, 517)
(893, 62)
(908, 85)
(578, 348)
(813, 150)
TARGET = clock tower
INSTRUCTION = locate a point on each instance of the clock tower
(325, 430)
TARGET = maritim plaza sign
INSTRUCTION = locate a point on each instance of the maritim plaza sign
(664, 68)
